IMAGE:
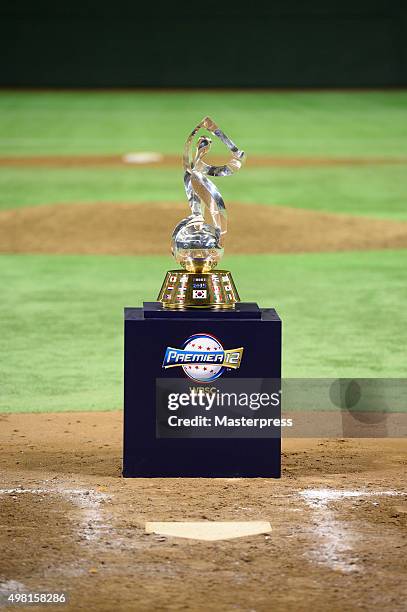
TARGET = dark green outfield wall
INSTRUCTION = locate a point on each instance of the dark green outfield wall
(282, 43)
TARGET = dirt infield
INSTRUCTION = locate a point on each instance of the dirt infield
(162, 160)
(71, 523)
(140, 229)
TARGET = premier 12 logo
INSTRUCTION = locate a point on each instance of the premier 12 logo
(203, 357)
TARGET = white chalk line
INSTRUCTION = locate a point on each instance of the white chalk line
(336, 539)
(91, 528)
(45, 491)
(95, 522)
(12, 586)
(319, 498)
(92, 524)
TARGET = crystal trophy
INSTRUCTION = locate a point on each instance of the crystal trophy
(197, 241)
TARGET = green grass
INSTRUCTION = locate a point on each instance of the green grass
(376, 191)
(62, 327)
(61, 317)
(313, 123)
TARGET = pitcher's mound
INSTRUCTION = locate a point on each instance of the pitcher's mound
(144, 229)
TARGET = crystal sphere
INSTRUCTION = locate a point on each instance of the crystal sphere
(196, 245)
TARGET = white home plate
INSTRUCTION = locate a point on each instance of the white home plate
(146, 157)
(209, 531)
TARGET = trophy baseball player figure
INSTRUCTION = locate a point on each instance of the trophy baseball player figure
(197, 244)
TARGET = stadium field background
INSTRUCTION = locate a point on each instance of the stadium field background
(61, 316)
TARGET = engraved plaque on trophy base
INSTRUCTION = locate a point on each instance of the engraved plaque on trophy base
(214, 289)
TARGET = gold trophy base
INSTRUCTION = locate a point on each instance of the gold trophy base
(214, 289)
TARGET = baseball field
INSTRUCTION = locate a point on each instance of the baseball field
(90, 190)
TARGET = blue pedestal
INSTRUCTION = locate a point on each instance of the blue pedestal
(152, 448)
